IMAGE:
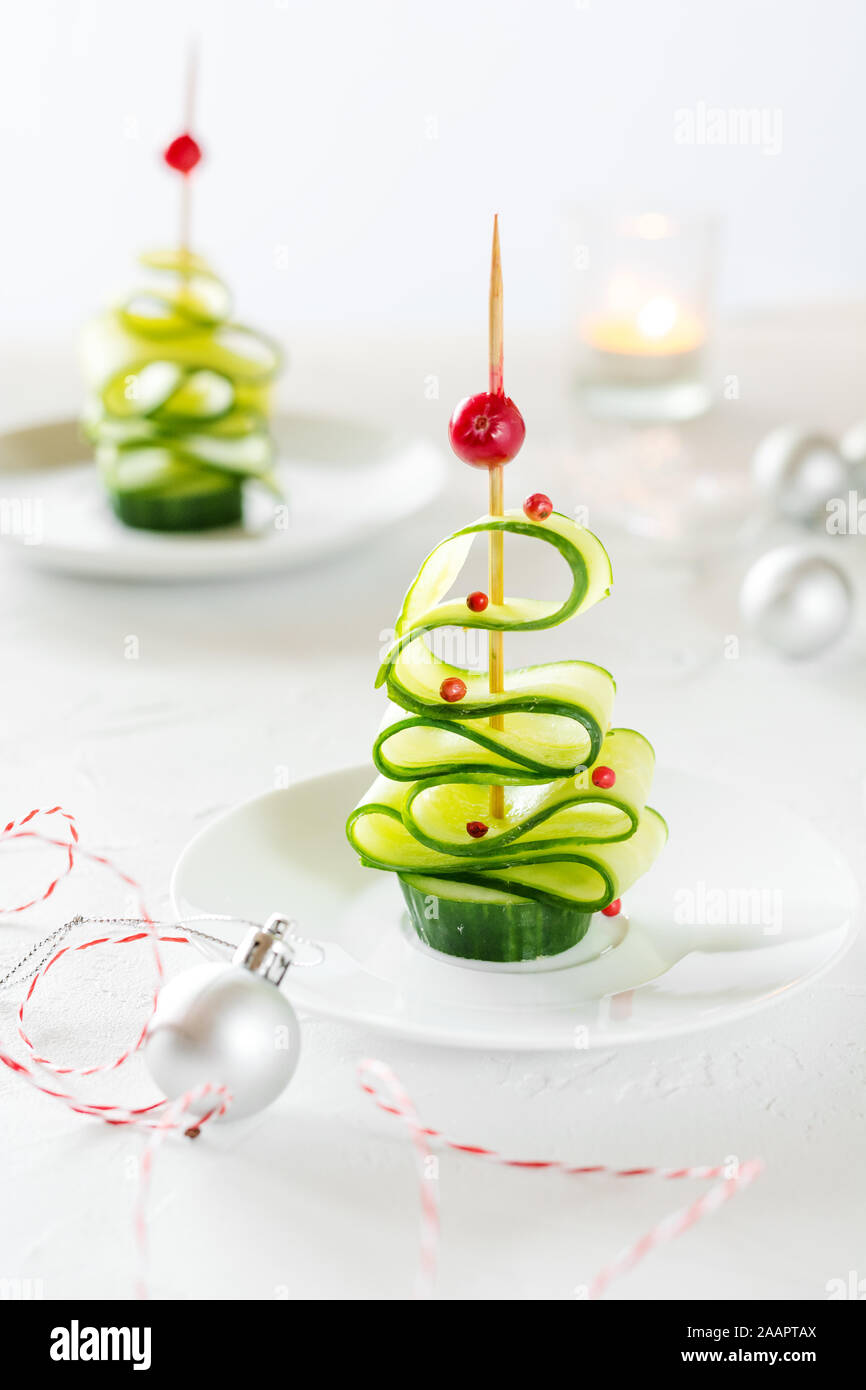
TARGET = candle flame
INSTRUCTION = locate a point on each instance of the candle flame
(656, 318)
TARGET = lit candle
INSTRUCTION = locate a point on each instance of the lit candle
(659, 327)
(643, 326)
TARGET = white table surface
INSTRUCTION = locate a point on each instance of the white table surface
(237, 683)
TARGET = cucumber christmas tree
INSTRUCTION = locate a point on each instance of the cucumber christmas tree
(179, 394)
(505, 803)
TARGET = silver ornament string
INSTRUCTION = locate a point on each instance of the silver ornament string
(44, 948)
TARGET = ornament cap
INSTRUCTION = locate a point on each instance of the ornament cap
(265, 951)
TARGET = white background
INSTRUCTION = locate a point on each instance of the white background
(324, 197)
(314, 116)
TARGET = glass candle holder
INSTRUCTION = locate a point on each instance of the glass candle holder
(643, 284)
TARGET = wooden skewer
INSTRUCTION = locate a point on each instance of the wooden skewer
(495, 555)
(185, 216)
(189, 121)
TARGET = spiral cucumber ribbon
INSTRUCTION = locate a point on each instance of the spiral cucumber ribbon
(179, 392)
(562, 840)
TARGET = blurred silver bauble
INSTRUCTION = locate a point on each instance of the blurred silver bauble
(796, 600)
(799, 472)
(228, 1023)
(852, 447)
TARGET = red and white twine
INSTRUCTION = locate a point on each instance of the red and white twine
(15, 831)
(111, 1113)
(375, 1078)
(380, 1082)
(174, 1115)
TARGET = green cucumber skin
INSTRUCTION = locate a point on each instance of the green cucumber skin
(223, 367)
(493, 931)
(150, 511)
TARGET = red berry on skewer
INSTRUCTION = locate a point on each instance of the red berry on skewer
(486, 430)
(603, 777)
(613, 909)
(477, 601)
(538, 507)
(183, 154)
(477, 829)
(452, 689)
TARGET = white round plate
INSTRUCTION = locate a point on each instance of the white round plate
(344, 481)
(746, 903)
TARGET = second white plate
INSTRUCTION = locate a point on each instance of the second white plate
(746, 903)
(344, 482)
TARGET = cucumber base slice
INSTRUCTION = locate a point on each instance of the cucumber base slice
(494, 927)
(152, 511)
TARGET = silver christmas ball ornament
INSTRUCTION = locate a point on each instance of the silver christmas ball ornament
(796, 600)
(798, 472)
(228, 1023)
(852, 447)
